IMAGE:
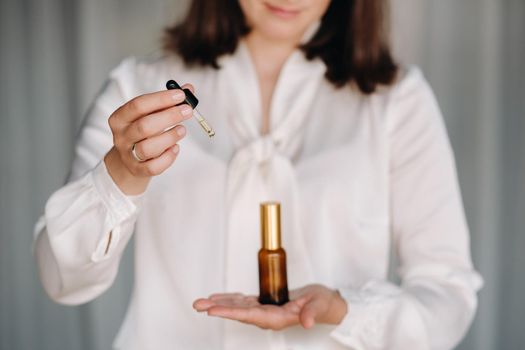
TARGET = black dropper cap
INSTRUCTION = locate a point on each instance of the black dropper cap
(190, 97)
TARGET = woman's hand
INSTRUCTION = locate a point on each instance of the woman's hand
(143, 122)
(308, 305)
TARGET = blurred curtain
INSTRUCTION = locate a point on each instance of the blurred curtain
(55, 54)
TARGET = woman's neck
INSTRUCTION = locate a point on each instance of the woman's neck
(268, 58)
(268, 55)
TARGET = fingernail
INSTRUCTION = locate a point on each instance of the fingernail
(181, 131)
(178, 96)
(186, 110)
(175, 149)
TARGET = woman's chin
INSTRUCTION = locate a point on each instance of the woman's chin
(281, 32)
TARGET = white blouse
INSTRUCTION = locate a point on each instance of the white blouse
(358, 177)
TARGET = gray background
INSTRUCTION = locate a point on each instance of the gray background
(55, 55)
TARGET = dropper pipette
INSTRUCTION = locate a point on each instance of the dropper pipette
(191, 100)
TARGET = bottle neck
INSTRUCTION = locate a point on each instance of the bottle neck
(271, 243)
(270, 226)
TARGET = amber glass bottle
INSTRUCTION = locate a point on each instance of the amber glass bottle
(273, 284)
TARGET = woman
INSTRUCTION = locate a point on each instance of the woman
(309, 109)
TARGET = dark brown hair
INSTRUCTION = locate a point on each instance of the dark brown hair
(351, 39)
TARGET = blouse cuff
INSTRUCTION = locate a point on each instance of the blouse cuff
(120, 207)
(368, 310)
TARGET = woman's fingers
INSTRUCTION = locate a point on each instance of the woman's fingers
(156, 123)
(247, 309)
(188, 86)
(242, 314)
(263, 316)
(203, 304)
(149, 103)
(234, 300)
(143, 143)
(156, 166)
(310, 311)
(295, 306)
(310, 304)
(322, 305)
(152, 135)
(218, 296)
(154, 146)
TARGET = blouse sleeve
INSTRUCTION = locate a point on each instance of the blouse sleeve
(436, 301)
(87, 223)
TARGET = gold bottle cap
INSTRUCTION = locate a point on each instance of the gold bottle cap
(271, 225)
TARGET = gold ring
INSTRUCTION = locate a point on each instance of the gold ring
(134, 153)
